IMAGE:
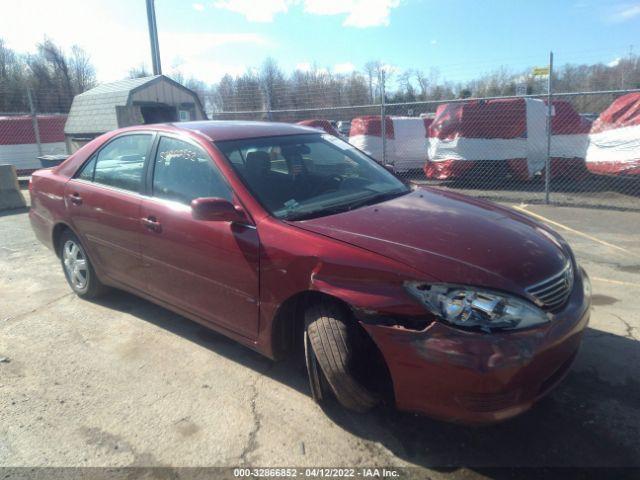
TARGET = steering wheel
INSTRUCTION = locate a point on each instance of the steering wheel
(328, 184)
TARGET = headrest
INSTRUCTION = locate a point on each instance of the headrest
(257, 163)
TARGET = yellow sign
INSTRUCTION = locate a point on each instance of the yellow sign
(540, 71)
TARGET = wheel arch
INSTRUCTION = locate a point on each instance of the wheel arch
(288, 321)
(289, 324)
(56, 234)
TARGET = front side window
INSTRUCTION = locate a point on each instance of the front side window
(304, 176)
(183, 172)
(121, 162)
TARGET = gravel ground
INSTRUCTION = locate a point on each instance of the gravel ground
(122, 382)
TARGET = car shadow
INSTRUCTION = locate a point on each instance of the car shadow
(590, 420)
(13, 211)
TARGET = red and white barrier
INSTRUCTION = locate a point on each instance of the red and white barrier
(319, 124)
(614, 141)
(506, 130)
(405, 140)
(18, 144)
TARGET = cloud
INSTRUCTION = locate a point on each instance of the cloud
(346, 67)
(391, 69)
(614, 63)
(203, 42)
(304, 67)
(255, 11)
(358, 13)
(434, 42)
(198, 6)
(307, 67)
(120, 41)
(193, 54)
(625, 12)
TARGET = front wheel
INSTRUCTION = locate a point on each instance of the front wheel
(329, 344)
(78, 269)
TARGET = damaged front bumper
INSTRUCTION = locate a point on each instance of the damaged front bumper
(478, 378)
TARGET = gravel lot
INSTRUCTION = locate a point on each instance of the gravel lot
(122, 382)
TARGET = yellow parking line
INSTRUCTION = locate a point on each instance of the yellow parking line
(523, 208)
(615, 282)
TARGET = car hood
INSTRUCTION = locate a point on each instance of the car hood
(451, 238)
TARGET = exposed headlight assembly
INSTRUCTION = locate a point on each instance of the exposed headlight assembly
(474, 308)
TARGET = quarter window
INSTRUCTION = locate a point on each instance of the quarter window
(121, 162)
(183, 172)
(86, 172)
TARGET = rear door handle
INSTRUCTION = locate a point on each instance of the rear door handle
(151, 223)
(75, 198)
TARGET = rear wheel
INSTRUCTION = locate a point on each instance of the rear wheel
(78, 269)
(330, 344)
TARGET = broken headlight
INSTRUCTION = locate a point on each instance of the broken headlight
(477, 309)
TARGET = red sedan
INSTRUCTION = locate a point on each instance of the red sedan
(280, 236)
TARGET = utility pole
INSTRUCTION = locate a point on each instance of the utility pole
(34, 120)
(153, 37)
(383, 123)
(547, 166)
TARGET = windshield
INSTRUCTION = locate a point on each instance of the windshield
(304, 176)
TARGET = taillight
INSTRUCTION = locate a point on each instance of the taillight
(30, 184)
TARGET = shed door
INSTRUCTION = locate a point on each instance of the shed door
(159, 113)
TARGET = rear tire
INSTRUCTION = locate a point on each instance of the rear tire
(78, 269)
(330, 337)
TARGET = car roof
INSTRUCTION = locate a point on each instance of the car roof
(218, 130)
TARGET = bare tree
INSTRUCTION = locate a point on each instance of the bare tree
(407, 89)
(372, 71)
(57, 60)
(273, 84)
(12, 80)
(139, 71)
(423, 83)
(82, 72)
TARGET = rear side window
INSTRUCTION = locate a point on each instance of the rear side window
(183, 172)
(121, 162)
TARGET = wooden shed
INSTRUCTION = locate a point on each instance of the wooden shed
(135, 101)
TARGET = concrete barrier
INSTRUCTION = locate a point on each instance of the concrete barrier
(10, 194)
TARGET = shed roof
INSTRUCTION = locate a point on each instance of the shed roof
(94, 111)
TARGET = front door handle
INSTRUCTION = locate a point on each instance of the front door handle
(151, 223)
(75, 198)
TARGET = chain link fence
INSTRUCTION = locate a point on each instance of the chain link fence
(499, 148)
(32, 135)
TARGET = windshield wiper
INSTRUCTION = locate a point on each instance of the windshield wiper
(373, 199)
(379, 197)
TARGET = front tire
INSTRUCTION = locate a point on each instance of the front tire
(331, 339)
(78, 269)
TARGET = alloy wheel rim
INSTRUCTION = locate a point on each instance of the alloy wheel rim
(75, 265)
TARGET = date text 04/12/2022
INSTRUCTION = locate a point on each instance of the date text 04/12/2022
(317, 472)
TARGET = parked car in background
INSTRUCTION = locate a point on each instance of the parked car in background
(320, 124)
(280, 236)
(590, 117)
(344, 128)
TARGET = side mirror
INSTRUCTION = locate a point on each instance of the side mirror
(215, 210)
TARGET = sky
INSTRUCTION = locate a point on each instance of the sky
(208, 38)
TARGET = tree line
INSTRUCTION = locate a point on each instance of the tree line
(54, 76)
(270, 88)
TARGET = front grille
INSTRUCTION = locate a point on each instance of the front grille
(552, 293)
